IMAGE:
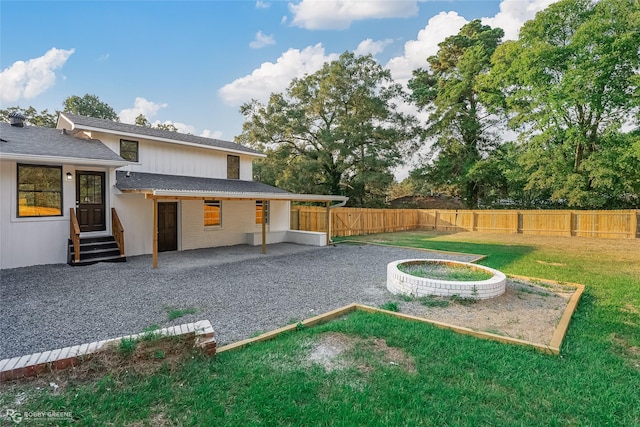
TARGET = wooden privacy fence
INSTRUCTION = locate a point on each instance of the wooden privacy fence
(353, 221)
(618, 224)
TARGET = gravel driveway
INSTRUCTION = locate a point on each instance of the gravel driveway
(238, 289)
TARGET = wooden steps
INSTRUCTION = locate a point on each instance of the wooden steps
(94, 250)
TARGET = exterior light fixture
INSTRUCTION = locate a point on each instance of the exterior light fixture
(69, 176)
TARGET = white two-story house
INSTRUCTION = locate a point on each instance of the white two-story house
(93, 190)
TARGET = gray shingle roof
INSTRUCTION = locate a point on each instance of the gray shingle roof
(41, 141)
(108, 125)
(152, 181)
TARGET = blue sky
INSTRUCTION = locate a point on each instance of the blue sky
(193, 63)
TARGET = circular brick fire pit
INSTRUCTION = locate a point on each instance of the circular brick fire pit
(399, 282)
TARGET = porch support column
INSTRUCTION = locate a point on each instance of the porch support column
(264, 227)
(155, 233)
(328, 219)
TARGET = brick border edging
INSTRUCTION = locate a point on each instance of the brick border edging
(401, 283)
(54, 360)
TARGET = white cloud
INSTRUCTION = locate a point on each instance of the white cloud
(262, 40)
(28, 79)
(369, 46)
(338, 14)
(149, 109)
(103, 57)
(275, 77)
(140, 106)
(417, 51)
(514, 13)
(262, 5)
(283, 20)
(216, 134)
(190, 129)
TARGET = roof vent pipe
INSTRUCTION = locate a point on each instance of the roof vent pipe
(17, 119)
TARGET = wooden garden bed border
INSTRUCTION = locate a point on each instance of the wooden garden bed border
(553, 347)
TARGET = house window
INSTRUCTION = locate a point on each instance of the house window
(39, 190)
(259, 212)
(233, 167)
(129, 150)
(212, 212)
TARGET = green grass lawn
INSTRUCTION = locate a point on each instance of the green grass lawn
(457, 380)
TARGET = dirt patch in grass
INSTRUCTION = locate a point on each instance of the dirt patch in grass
(630, 352)
(336, 351)
(632, 315)
(527, 311)
(158, 419)
(555, 264)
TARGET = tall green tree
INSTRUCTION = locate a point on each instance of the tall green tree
(141, 120)
(569, 84)
(502, 180)
(459, 124)
(32, 116)
(90, 106)
(401, 189)
(167, 126)
(336, 131)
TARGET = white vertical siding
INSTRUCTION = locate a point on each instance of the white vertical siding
(246, 168)
(174, 159)
(35, 241)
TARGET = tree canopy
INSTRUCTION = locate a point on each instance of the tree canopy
(32, 116)
(90, 106)
(569, 84)
(141, 120)
(570, 88)
(459, 125)
(336, 131)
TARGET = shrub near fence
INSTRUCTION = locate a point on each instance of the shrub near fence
(620, 224)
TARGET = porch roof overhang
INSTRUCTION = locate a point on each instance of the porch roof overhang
(217, 195)
(158, 186)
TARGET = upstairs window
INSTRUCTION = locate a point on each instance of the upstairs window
(260, 211)
(39, 190)
(212, 213)
(233, 167)
(129, 150)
